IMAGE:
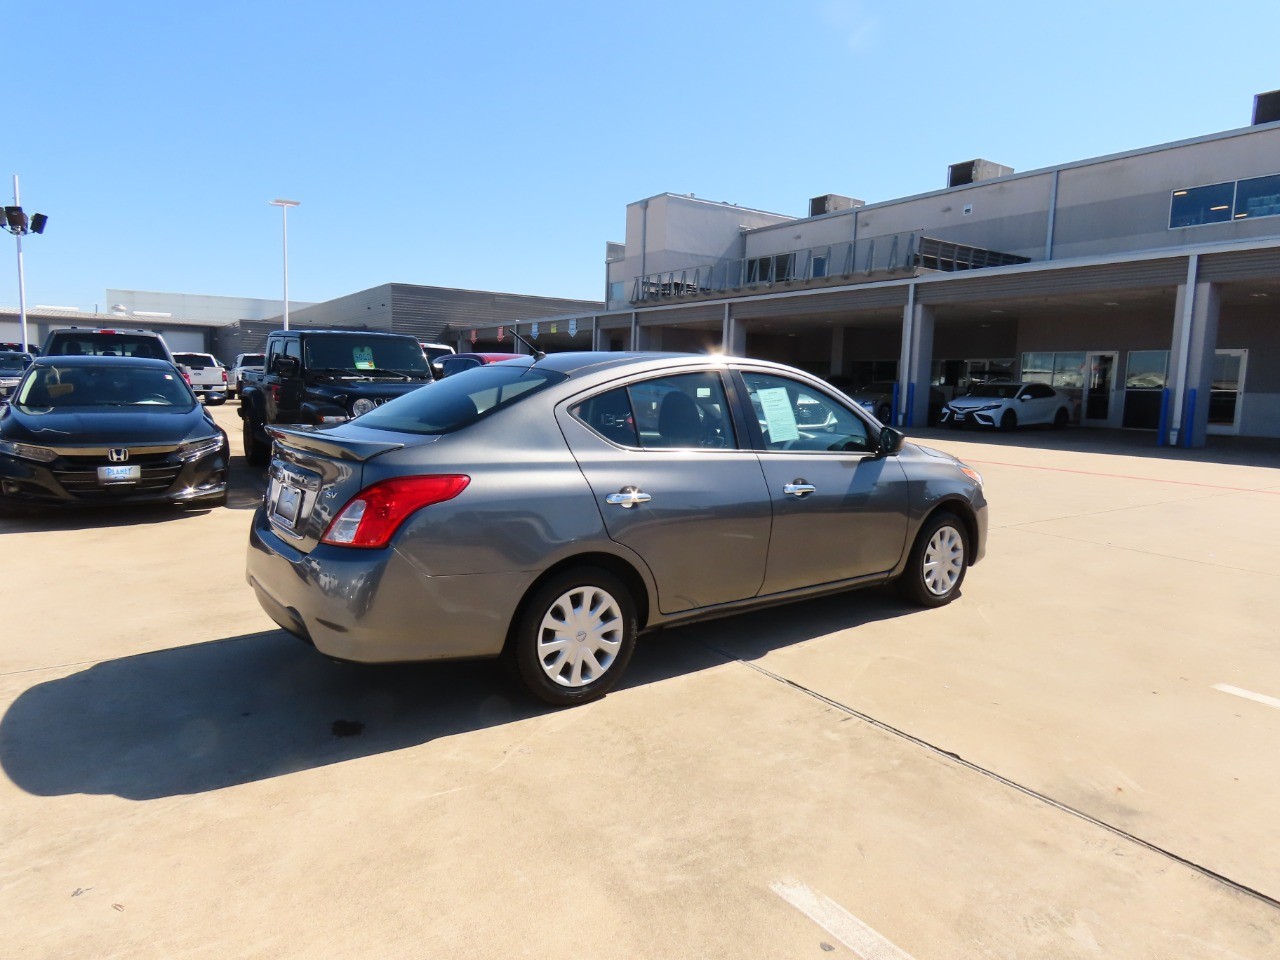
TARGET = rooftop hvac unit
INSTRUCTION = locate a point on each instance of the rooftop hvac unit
(1266, 107)
(973, 171)
(831, 202)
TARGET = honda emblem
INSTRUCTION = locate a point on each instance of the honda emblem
(118, 454)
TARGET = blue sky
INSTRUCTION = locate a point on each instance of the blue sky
(495, 146)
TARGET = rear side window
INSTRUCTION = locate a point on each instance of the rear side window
(665, 413)
(456, 401)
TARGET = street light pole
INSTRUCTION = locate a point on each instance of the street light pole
(19, 224)
(22, 282)
(284, 206)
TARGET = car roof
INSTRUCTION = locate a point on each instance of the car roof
(89, 360)
(308, 331)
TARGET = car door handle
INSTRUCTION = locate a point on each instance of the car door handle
(799, 488)
(627, 497)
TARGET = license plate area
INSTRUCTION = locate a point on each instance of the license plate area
(286, 503)
(123, 473)
(291, 496)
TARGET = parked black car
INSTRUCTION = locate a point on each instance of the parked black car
(320, 377)
(108, 430)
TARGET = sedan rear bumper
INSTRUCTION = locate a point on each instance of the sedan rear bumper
(375, 606)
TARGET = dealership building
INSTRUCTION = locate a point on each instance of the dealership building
(1145, 284)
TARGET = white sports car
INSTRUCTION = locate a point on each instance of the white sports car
(1009, 405)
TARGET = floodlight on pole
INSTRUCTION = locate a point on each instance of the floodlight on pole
(284, 206)
(17, 223)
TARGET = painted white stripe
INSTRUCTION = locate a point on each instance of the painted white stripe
(838, 921)
(1248, 694)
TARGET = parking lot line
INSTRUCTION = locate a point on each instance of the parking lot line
(1248, 694)
(838, 922)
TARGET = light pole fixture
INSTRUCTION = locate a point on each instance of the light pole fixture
(17, 223)
(284, 206)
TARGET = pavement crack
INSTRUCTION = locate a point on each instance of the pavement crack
(1025, 790)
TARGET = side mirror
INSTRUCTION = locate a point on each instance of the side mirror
(285, 366)
(889, 442)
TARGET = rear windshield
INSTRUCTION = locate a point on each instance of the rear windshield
(89, 343)
(195, 360)
(459, 400)
(117, 385)
(14, 362)
(252, 360)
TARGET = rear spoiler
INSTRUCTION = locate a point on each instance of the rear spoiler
(313, 441)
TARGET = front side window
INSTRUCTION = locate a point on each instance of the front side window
(795, 416)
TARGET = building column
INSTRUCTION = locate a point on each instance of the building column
(596, 334)
(915, 366)
(1195, 338)
(733, 335)
(837, 351)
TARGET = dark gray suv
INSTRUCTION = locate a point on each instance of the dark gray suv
(549, 509)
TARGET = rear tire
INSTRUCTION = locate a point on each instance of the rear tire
(939, 558)
(1061, 418)
(574, 637)
(255, 451)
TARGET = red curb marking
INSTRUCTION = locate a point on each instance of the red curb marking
(1123, 476)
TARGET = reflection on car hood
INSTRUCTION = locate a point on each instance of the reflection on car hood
(108, 425)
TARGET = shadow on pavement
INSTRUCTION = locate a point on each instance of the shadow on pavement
(211, 715)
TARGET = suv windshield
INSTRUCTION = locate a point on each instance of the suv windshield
(460, 399)
(357, 353)
(109, 385)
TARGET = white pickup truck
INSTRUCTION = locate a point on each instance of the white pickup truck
(208, 377)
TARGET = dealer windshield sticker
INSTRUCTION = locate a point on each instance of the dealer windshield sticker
(778, 415)
(363, 358)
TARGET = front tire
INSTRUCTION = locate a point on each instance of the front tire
(574, 637)
(1009, 421)
(936, 567)
(255, 451)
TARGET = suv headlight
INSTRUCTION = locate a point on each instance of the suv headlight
(195, 449)
(362, 406)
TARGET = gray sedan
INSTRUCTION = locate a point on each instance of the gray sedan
(547, 510)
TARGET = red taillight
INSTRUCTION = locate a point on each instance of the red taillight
(224, 376)
(185, 376)
(373, 515)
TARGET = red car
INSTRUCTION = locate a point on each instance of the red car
(457, 362)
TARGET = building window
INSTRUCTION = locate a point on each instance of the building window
(819, 266)
(1220, 202)
(1194, 206)
(617, 291)
(1258, 197)
(1146, 373)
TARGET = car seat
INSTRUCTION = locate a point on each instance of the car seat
(679, 423)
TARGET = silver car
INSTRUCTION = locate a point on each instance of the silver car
(546, 510)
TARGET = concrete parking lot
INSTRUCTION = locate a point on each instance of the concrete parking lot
(1078, 758)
